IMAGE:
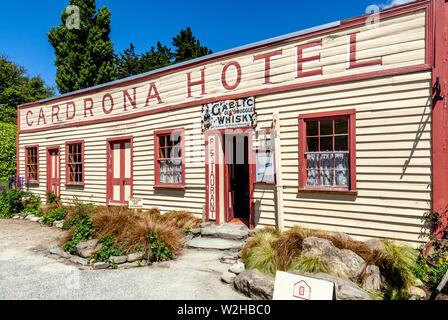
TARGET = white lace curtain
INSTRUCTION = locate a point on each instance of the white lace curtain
(334, 169)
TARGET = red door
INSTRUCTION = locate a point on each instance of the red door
(119, 171)
(54, 170)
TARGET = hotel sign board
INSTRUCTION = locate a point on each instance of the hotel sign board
(229, 114)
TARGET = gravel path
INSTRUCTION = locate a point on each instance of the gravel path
(29, 272)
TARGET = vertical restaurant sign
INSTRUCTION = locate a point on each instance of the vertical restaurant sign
(212, 177)
(229, 114)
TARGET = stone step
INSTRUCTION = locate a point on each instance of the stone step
(215, 243)
(226, 231)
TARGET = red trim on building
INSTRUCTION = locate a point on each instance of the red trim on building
(351, 115)
(49, 167)
(109, 162)
(18, 145)
(67, 170)
(26, 163)
(157, 135)
(292, 87)
(440, 117)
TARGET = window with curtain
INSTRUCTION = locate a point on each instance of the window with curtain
(32, 164)
(169, 158)
(327, 151)
(75, 162)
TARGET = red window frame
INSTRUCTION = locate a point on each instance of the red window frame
(67, 168)
(165, 133)
(37, 163)
(332, 115)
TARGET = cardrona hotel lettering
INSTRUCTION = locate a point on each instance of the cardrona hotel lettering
(126, 101)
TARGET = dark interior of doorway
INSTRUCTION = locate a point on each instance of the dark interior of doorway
(237, 159)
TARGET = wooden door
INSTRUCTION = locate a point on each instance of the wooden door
(120, 175)
(54, 170)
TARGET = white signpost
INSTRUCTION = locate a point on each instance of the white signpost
(135, 203)
(289, 286)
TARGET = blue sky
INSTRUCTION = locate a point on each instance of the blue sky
(219, 25)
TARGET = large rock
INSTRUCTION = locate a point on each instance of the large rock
(345, 289)
(100, 265)
(255, 284)
(372, 279)
(375, 245)
(88, 248)
(343, 263)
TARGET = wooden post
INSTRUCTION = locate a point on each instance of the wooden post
(278, 170)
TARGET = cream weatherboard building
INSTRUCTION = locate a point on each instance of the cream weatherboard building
(331, 128)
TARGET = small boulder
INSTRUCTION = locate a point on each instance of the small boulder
(228, 277)
(88, 248)
(16, 217)
(118, 259)
(340, 235)
(414, 291)
(255, 284)
(29, 217)
(58, 224)
(128, 265)
(372, 279)
(237, 267)
(100, 265)
(79, 260)
(343, 263)
(135, 256)
(35, 219)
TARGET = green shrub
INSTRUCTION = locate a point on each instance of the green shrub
(432, 272)
(53, 215)
(108, 249)
(53, 198)
(8, 134)
(397, 265)
(305, 263)
(82, 223)
(11, 202)
(159, 251)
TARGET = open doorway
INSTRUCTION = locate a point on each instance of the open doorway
(237, 178)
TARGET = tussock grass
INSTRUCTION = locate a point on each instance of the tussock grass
(271, 250)
(262, 257)
(305, 263)
(266, 235)
(131, 229)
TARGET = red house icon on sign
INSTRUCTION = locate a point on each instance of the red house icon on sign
(302, 290)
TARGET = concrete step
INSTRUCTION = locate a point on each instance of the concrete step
(225, 231)
(215, 243)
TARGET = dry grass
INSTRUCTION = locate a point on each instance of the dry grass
(131, 229)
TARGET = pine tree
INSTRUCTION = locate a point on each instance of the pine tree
(188, 47)
(84, 56)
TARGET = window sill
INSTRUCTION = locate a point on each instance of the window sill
(73, 184)
(330, 191)
(171, 187)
